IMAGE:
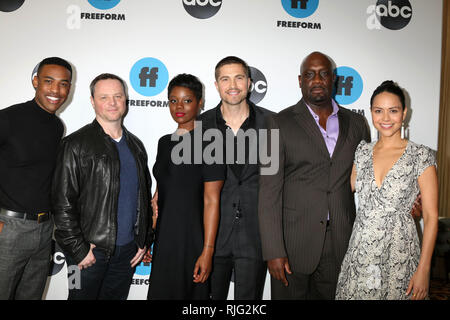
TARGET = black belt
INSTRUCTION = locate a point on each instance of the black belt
(39, 217)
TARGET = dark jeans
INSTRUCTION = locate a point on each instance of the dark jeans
(25, 252)
(109, 278)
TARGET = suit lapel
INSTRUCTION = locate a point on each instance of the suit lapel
(343, 131)
(307, 122)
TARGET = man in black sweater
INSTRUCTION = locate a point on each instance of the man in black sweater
(30, 134)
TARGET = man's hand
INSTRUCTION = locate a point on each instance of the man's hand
(89, 260)
(277, 268)
(138, 257)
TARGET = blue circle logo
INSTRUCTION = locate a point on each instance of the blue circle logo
(149, 77)
(300, 8)
(349, 85)
(104, 4)
(143, 269)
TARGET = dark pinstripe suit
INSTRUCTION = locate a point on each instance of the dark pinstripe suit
(294, 203)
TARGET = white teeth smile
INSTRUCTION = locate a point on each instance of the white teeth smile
(386, 126)
(52, 98)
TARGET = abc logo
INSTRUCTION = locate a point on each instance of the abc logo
(10, 5)
(104, 4)
(57, 259)
(349, 85)
(149, 77)
(34, 72)
(391, 14)
(300, 8)
(202, 9)
(258, 87)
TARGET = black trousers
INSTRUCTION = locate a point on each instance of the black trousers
(247, 274)
(320, 285)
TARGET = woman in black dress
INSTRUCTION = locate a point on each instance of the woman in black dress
(188, 197)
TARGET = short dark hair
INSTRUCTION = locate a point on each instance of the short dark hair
(106, 76)
(231, 60)
(391, 87)
(187, 81)
(57, 61)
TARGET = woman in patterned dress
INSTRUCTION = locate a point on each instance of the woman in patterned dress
(384, 259)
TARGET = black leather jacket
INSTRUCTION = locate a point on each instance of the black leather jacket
(85, 192)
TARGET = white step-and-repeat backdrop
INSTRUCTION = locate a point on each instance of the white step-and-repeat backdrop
(368, 40)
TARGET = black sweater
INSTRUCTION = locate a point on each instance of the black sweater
(29, 139)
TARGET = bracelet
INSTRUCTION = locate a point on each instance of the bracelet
(208, 246)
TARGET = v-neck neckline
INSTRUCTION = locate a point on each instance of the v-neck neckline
(390, 169)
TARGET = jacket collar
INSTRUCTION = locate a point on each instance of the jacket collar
(100, 130)
(305, 119)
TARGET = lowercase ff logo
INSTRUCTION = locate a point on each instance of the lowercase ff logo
(300, 8)
(149, 77)
(349, 85)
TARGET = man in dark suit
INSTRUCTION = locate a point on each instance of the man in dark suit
(307, 209)
(238, 244)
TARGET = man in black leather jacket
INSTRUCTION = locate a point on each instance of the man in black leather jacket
(100, 196)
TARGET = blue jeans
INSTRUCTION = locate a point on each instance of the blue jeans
(109, 278)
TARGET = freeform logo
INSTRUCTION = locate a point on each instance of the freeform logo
(76, 15)
(149, 77)
(104, 4)
(258, 87)
(202, 9)
(10, 5)
(349, 85)
(391, 14)
(299, 9)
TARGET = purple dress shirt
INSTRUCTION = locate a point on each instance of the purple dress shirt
(330, 135)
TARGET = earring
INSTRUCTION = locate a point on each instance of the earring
(402, 130)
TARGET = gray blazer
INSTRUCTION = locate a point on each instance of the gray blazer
(238, 224)
(294, 203)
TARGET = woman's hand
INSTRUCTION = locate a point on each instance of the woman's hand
(154, 204)
(203, 266)
(418, 285)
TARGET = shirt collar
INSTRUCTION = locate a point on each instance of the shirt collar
(333, 113)
(248, 123)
